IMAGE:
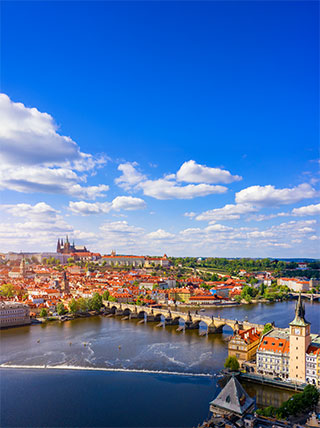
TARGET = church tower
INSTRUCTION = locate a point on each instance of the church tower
(299, 342)
(58, 246)
(65, 283)
(23, 268)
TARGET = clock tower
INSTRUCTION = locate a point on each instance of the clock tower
(299, 342)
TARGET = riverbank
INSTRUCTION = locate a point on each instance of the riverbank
(264, 380)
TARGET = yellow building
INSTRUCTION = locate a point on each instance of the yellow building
(179, 295)
(300, 340)
(243, 345)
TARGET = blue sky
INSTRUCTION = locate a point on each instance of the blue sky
(181, 127)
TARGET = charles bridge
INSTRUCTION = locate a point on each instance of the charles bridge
(309, 296)
(171, 317)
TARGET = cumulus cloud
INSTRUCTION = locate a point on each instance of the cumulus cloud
(307, 210)
(228, 212)
(167, 189)
(39, 210)
(34, 157)
(170, 187)
(270, 196)
(160, 234)
(48, 180)
(192, 172)
(40, 224)
(130, 176)
(120, 227)
(314, 238)
(218, 228)
(127, 203)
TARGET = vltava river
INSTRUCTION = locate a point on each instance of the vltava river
(157, 377)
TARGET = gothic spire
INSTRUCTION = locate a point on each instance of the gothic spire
(299, 318)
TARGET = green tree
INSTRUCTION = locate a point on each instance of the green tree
(73, 306)
(7, 290)
(43, 313)
(267, 327)
(83, 304)
(106, 295)
(61, 310)
(232, 363)
(95, 303)
(112, 299)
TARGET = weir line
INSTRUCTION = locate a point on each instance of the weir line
(103, 369)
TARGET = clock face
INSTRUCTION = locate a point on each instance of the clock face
(297, 331)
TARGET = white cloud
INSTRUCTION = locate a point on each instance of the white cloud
(192, 231)
(190, 214)
(228, 212)
(48, 180)
(160, 234)
(163, 188)
(41, 225)
(127, 203)
(191, 172)
(270, 196)
(167, 189)
(34, 157)
(307, 210)
(87, 208)
(39, 210)
(218, 228)
(120, 227)
(130, 176)
(263, 217)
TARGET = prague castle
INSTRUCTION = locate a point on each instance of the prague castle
(67, 248)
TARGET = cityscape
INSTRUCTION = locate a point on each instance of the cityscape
(159, 214)
(183, 295)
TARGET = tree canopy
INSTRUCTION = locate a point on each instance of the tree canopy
(232, 363)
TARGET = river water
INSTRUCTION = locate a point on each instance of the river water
(107, 372)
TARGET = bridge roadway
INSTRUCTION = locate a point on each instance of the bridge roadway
(312, 297)
(191, 320)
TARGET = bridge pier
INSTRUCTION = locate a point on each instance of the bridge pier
(189, 325)
(133, 314)
(212, 329)
(171, 321)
